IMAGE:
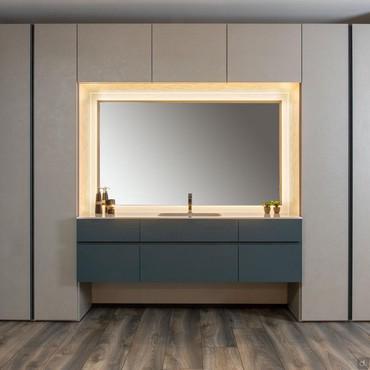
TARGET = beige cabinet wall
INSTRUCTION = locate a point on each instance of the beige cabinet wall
(114, 52)
(189, 52)
(325, 172)
(15, 180)
(361, 172)
(55, 162)
(264, 52)
(65, 54)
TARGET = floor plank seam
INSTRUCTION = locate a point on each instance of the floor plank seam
(273, 346)
(236, 342)
(133, 339)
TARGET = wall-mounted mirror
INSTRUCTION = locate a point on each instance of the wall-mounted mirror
(154, 153)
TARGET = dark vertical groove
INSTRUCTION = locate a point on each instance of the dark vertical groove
(301, 53)
(77, 128)
(350, 173)
(151, 52)
(32, 172)
(300, 127)
(227, 53)
(77, 78)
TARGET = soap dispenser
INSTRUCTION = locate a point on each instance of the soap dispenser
(98, 204)
(105, 196)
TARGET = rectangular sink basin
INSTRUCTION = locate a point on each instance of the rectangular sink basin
(186, 214)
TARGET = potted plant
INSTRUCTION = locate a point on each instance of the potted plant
(267, 207)
(276, 204)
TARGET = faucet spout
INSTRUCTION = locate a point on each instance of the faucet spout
(190, 202)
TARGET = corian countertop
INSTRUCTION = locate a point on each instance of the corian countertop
(157, 217)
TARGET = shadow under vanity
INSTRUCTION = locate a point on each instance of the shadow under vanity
(189, 250)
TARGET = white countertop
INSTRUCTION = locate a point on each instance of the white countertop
(157, 217)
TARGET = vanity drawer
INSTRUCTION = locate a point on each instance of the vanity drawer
(189, 262)
(270, 263)
(189, 230)
(98, 262)
(108, 230)
(273, 230)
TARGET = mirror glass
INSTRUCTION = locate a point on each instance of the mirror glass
(154, 153)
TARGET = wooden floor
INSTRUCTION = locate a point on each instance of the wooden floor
(116, 337)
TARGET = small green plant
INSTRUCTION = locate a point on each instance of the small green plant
(268, 203)
(276, 203)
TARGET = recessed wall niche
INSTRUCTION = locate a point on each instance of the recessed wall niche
(285, 94)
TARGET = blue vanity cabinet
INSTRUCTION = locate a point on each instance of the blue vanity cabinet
(108, 262)
(270, 262)
(108, 250)
(189, 250)
(272, 230)
(189, 230)
(270, 250)
(108, 230)
(189, 262)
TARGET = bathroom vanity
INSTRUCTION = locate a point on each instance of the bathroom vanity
(189, 250)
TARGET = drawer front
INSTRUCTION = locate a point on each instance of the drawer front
(274, 230)
(189, 230)
(108, 230)
(108, 262)
(270, 263)
(189, 262)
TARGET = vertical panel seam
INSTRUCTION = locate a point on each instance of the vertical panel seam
(227, 52)
(32, 173)
(350, 172)
(77, 78)
(301, 53)
(300, 308)
(77, 141)
(151, 52)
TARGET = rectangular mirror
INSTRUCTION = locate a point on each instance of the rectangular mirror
(154, 153)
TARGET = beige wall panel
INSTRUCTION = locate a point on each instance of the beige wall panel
(56, 289)
(361, 172)
(189, 52)
(114, 52)
(264, 52)
(15, 172)
(325, 172)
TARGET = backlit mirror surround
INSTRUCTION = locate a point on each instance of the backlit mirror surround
(92, 95)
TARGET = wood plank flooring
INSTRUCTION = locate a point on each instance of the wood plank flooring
(184, 338)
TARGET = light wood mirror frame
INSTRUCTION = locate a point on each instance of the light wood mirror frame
(286, 94)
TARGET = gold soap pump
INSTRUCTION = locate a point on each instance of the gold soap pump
(101, 201)
(105, 196)
(98, 204)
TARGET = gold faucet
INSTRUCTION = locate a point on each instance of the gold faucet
(190, 202)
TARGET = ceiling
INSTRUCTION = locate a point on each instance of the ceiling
(32, 11)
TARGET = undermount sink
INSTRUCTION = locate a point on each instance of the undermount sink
(187, 214)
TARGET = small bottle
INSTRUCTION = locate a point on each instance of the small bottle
(98, 204)
(105, 196)
(110, 207)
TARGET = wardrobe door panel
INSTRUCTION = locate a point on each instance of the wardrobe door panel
(15, 172)
(361, 172)
(114, 52)
(264, 52)
(56, 288)
(325, 172)
(189, 52)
